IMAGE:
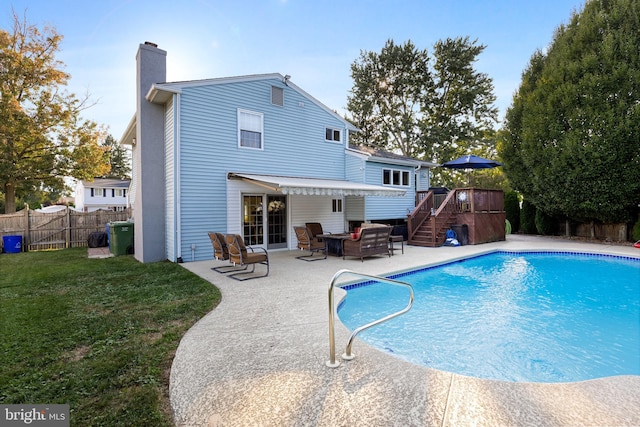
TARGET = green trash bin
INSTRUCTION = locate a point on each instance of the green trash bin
(121, 237)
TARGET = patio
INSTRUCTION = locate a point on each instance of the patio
(259, 359)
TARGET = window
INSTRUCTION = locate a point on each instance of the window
(395, 177)
(405, 178)
(249, 129)
(331, 134)
(277, 96)
(98, 192)
(337, 205)
(120, 192)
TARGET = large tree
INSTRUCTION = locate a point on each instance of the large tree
(431, 108)
(119, 159)
(572, 135)
(389, 90)
(42, 135)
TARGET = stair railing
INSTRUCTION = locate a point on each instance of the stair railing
(419, 215)
(447, 210)
(332, 363)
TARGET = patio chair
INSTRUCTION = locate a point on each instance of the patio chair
(243, 256)
(307, 242)
(315, 228)
(221, 253)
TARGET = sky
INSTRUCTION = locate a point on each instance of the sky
(314, 41)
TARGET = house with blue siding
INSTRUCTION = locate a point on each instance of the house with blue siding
(251, 155)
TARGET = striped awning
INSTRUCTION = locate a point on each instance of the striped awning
(317, 187)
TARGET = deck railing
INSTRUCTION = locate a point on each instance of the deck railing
(441, 209)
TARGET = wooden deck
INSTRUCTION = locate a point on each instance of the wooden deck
(481, 210)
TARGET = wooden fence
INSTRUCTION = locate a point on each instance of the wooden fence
(58, 230)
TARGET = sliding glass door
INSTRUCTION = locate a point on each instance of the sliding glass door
(276, 222)
(255, 221)
(252, 220)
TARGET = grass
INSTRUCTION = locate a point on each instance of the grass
(97, 334)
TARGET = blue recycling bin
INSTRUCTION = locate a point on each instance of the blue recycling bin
(12, 244)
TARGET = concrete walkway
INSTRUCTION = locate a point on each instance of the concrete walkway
(259, 359)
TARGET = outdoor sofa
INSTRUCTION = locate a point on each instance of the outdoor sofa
(372, 240)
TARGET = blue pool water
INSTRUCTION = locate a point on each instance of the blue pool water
(511, 316)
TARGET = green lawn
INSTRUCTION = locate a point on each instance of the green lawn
(97, 334)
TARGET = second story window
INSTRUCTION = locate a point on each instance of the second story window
(250, 129)
(395, 177)
(332, 134)
(98, 192)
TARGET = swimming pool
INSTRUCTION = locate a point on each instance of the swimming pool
(512, 316)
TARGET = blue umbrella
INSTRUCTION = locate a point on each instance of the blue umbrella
(471, 162)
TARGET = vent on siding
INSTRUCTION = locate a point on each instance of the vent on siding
(277, 96)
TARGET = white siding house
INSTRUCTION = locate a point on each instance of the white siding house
(107, 194)
(253, 155)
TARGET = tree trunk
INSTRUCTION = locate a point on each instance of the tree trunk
(9, 198)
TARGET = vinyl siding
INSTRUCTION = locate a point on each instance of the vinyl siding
(315, 209)
(293, 143)
(169, 169)
(355, 168)
(380, 208)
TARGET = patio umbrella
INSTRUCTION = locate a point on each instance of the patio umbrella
(471, 162)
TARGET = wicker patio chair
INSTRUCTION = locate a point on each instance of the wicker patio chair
(308, 243)
(244, 256)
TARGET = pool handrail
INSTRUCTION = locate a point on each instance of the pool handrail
(332, 363)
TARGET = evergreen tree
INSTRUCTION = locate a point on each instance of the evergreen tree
(572, 136)
(118, 157)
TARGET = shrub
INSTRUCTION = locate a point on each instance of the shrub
(512, 210)
(636, 231)
(528, 218)
(544, 223)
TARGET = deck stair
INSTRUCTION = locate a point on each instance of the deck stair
(428, 222)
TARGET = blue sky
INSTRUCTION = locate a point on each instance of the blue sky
(313, 41)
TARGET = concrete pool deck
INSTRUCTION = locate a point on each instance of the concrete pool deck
(259, 358)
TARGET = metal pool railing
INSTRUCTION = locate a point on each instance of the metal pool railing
(332, 363)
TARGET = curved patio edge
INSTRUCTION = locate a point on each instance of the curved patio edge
(259, 359)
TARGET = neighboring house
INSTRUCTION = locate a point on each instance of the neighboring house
(107, 194)
(253, 155)
(54, 209)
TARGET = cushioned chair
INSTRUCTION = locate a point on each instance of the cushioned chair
(221, 253)
(308, 243)
(243, 256)
(372, 241)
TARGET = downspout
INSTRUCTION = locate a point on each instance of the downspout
(416, 170)
(176, 190)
